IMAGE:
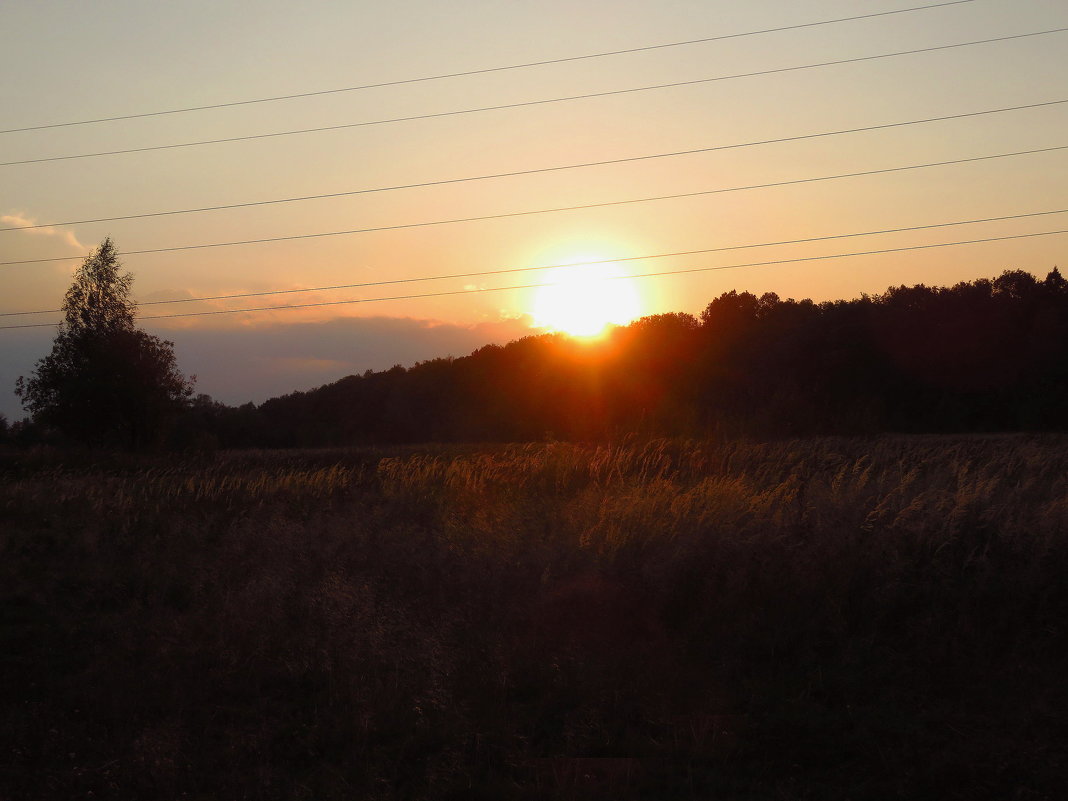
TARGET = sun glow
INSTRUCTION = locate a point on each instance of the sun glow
(583, 299)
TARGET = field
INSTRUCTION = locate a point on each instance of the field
(821, 619)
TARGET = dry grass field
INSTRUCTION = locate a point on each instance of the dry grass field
(821, 619)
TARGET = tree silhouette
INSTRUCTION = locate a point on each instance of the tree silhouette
(105, 382)
(983, 355)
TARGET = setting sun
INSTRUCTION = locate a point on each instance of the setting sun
(583, 299)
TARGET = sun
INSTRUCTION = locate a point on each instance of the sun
(583, 299)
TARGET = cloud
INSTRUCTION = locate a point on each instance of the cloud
(297, 365)
(20, 221)
(20, 351)
(254, 363)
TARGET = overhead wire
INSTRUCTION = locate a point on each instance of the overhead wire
(584, 263)
(539, 170)
(483, 71)
(527, 103)
(657, 274)
(470, 290)
(530, 212)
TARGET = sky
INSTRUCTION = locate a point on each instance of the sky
(64, 62)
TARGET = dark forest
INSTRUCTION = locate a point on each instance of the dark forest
(985, 355)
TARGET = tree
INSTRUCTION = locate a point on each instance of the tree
(1055, 282)
(106, 382)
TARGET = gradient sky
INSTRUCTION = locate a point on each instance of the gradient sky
(64, 61)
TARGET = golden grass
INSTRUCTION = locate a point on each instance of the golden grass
(862, 618)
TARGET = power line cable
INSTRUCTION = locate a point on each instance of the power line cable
(555, 283)
(482, 71)
(538, 170)
(506, 215)
(544, 101)
(485, 273)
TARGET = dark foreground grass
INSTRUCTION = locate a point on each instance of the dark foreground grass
(825, 619)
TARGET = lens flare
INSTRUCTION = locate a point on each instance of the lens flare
(583, 299)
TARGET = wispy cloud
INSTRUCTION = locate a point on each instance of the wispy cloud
(20, 221)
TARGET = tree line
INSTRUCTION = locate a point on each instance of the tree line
(984, 355)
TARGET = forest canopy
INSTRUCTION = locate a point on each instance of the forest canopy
(985, 355)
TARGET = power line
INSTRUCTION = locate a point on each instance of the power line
(545, 101)
(538, 170)
(530, 212)
(483, 71)
(485, 273)
(555, 283)
(639, 275)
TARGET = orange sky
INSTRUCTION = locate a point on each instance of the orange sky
(71, 62)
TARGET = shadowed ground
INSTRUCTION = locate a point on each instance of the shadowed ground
(829, 618)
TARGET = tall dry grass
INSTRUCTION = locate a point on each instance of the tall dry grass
(829, 618)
